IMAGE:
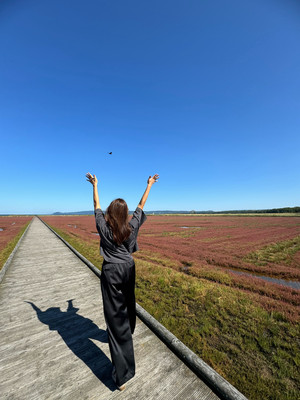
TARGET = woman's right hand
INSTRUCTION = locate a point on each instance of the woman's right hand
(92, 179)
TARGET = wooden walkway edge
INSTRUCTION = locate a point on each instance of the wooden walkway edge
(53, 341)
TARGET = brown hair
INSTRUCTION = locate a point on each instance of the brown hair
(117, 218)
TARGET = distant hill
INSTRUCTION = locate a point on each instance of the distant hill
(266, 211)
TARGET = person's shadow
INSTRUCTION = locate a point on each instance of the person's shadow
(76, 331)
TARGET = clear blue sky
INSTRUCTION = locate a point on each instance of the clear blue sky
(206, 93)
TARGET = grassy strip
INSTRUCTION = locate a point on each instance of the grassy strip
(252, 348)
(5, 253)
(281, 252)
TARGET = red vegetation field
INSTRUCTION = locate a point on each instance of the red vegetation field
(223, 241)
(10, 227)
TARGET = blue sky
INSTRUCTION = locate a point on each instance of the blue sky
(205, 93)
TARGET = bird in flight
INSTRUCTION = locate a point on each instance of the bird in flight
(110, 152)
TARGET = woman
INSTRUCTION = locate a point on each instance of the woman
(117, 243)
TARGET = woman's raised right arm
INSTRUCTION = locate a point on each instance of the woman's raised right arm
(94, 181)
(150, 182)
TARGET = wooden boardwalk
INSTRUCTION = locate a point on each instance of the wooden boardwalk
(53, 343)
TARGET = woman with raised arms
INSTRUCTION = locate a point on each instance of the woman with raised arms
(118, 240)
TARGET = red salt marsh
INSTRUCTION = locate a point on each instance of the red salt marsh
(10, 226)
(228, 242)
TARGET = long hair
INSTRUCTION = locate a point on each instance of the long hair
(117, 218)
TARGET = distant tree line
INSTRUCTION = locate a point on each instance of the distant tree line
(268, 211)
(281, 210)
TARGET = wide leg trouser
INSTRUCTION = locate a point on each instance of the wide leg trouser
(117, 286)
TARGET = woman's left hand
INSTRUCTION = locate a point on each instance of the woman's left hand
(92, 179)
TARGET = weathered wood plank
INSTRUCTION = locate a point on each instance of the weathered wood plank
(53, 341)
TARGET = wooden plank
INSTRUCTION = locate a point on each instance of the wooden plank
(53, 341)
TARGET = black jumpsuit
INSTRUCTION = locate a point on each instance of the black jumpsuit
(117, 286)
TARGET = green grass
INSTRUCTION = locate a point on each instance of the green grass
(5, 253)
(255, 350)
(281, 252)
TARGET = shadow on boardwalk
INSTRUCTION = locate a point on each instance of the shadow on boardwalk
(76, 331)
